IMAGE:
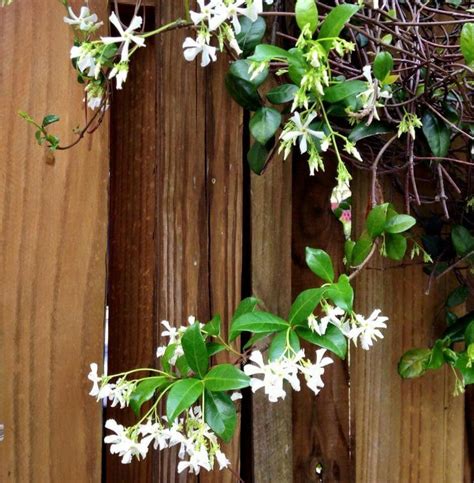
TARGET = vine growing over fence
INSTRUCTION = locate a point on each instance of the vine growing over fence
(364, 81)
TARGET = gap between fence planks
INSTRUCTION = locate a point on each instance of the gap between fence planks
(405, 430)
(52, 257)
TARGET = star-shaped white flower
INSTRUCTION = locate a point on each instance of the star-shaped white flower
(301, 130)
(313, 372)
(93, 376)
(85, 21)
(368, 329)
(192, 48)
(120, 72)
(121, 444)
(127, 36)
(213, 13)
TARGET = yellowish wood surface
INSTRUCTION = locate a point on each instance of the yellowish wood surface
(52, 258)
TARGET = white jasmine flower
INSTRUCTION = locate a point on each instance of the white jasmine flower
(351, 149)
(255, 8)
(198, 459)
(120, 72)
(274, 374)
(127, 36)
(154, 431)
(333, 315)
(192, 48)
(300, 129)
(214, 14)
(316, 326)
(85, 21)
(313, 372)
(120, 394)
(369, 329)
(222, 460)
(160, 351)
(85, 59)
(95, 379)
(236, 8)
(122, 444)
(171, 332)
(95, 96)
(236, 396)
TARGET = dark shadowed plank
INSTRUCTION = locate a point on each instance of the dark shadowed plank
(320, 423)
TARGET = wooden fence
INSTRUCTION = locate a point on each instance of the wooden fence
(187, 231)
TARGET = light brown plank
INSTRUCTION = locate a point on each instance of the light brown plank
(132, 252)
(52, 258)
(320, 424)
(409, 430)
(271, 282)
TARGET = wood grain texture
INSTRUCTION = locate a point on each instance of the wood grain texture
(271, 283)
(132, 252)
(405, 430)
(52, 257)
(320, 424)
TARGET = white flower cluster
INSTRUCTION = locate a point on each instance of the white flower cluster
(356, 328)
(119, 392)
(276, 372)
(220, 18)
(198, 445)
(92, 57)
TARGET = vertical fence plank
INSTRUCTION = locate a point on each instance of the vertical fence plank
(416, 425)
(52, 257)
(271, 282)
(320, 424)
(132, 254)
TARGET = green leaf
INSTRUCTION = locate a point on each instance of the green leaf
(255, 338)
(264, 124)
(333, 340)
(220, 414)
(334, 23)
(383, 64)
(243, 92)
(458, 296)
(437, 133)
(375, 222)
(251, 34)
(396, 246)
(469, 334)
(348, 249)
(467, 43)
(181, 396)
(195, 350)
(362, 131)
(455, 332)
(214, 348)
(343, 90)
(183, 366)
(414, 363)
(362, 249)
(145, 390)
(49, 119)
(257, 322)
(245, 306)
(466, 369)
(213, 327)
(341, 293)
(266, 52)
(304, 305)
(282, 94)
(225, 377)
(462, 239)
(436, 359)
(257, 157)
(278, 346)
(240, 68)
(297, 65)
(399, 223)
(320, 263)
(306, 14)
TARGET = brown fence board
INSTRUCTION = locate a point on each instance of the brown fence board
(52, 258)
(404, 430)
(271, 282)
(320, 423)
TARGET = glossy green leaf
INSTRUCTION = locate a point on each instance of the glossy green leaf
(257, 157)
(455, 332)
(436, 359)
(267, 52)
(49, 119)
(320, 263)
(282, 93)
(362, 249)
(348, 249)
(399, 223)
(437, 133)
(467, 43)
(306, 14)
(278, 346)
(145, 390)
(462, 239)
(264, 124)
(213, 327)
(458, 296)
(362, 131)
(245, 306)
(469, 334)
(243, 92)
(214, 348)
(333, 340)
(334, 23)
(182, 395)
(220, 414)
(257, 322)
(414, 363)
(383, 64)
(395, 246)
(341, 293)
(343, 90)
(195, 350)
(466, 368)
(251, 34)
(225, 377)
(304, 305)
(375, 222)
(240, 68)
